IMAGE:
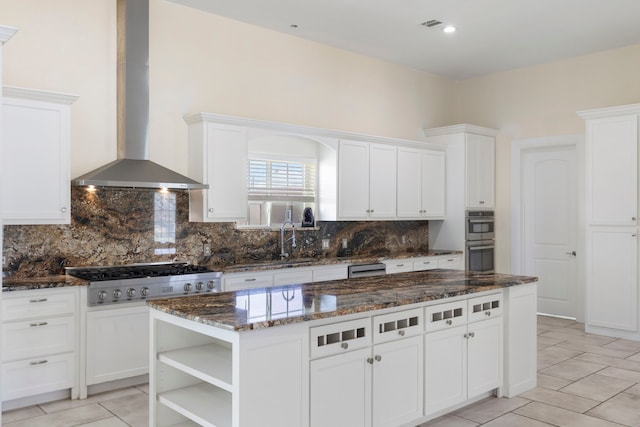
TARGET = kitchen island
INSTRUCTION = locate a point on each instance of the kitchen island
(387, 351)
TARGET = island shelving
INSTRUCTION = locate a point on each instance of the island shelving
(342, 353)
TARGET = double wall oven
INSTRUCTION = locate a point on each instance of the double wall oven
(480, 241)
(115, 327)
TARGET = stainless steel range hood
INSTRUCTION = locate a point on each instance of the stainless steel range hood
(133, 167)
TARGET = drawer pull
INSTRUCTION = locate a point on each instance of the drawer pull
(370, 360)
(38, 300)
(488, 313)
(399, 265)
(401, 333)
(449, 321)
(39, 324)
(345, 345)
(39, 362)
(253, 279)
(378, 358)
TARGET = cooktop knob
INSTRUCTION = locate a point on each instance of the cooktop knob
(144, 291)
(102, 295)
(199, 286)
(131, 292)
(211, 284)
(187, 287)
(117, 293)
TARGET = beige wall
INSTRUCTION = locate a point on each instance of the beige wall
(542, 101)
(201, 62)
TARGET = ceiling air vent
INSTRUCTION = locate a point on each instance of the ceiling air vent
(432, 23)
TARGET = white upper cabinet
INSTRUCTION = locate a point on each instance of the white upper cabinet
(218, 157)
(36, 157)
(421, 184)
(366, 181)
(612, 163)
(480, 165)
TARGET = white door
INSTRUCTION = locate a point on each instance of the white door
(549, 215)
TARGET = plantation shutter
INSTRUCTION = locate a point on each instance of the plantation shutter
(275, 180)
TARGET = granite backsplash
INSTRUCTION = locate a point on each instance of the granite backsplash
(123, 226)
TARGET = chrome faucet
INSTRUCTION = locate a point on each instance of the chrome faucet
(284, 254)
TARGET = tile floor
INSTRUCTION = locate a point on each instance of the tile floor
(584, 380)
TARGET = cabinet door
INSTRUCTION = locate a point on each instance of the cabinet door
(35, 162)
(353, 180)
(445, 369)
(612, 278)
(612, 170)
(397, 382)
(433, 184)
(484, 356)
(226, 198)
(341, 390)
(410, 183)
(480, 165)
(382, 181)
(124, 329)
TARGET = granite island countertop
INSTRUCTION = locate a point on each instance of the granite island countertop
(280, 305)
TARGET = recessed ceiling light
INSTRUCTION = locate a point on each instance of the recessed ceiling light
(449, 29)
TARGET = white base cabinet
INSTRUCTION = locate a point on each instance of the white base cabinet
(391, 367)
(39, 342)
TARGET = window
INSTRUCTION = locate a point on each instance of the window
(278, 185)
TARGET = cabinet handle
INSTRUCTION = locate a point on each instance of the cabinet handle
(482, 202)
(371, 211)
(488, 313)
(449, 322)
(633, 218)
(39, 324)
(370, 360)
(401, 333)
(472, 334)
(210, 210)
(253, 279)
(38, 300)
(39, 362)
(63, 210)
(345, 345)
(399, 265)
(378, 358)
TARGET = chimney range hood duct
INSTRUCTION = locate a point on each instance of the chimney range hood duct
(133, 167)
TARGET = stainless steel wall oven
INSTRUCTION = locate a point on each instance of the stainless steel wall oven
(480, 241)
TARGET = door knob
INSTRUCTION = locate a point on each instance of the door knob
(572, 253)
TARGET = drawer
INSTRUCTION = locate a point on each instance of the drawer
(38, 375)
(425, 264)
(247, 281)
(40, 337)
(484, 307)
(394, 326)
(444, 316)
(330, 273)
(453, 262)
(399, 266)
(293, 277)
(340, 337)
(38, 304)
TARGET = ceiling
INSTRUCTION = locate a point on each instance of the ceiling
(491, 36)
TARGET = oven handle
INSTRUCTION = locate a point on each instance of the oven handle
(480, 220)
(477, 248)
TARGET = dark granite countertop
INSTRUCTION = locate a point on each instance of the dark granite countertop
(310, 262)
(248, 309)
(24, 284)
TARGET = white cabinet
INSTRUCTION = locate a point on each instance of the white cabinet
(480, 165)
(288, 276)
(248, 280)
(611, 262)
(36, 157)
(421, 184)
(39, 341)
(404, 265)
(218, 157)
(366, 181)
(363, 385)
(463, 351)
(125, 329)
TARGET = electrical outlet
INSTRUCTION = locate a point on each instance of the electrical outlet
(207, 249)
(344, 243)
(325, 243)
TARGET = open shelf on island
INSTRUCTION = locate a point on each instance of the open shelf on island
(203, 403)
(210, 363)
